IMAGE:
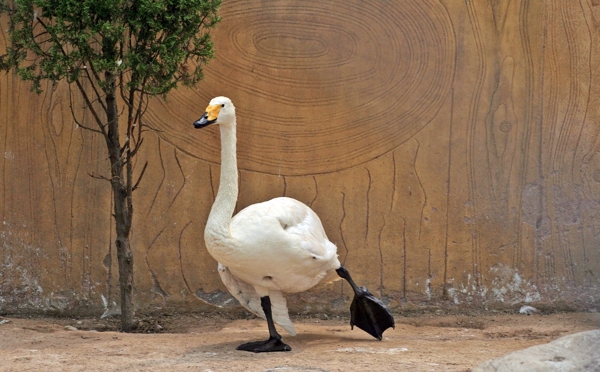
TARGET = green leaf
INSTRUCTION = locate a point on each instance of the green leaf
(150, 43)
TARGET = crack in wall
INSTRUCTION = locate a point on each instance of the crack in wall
(187, 285)
(381, 286)
(160, 184)
(157, 287)
(316, 192)
(183, 177)
(368, 200)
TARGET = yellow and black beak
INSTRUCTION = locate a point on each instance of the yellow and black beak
(209, 117)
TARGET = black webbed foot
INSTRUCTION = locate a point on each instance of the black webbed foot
(271, 345)
(274, 342)
(367, 312)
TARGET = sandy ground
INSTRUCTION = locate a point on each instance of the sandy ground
(207, 343)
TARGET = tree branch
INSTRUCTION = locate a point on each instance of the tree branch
(140, 177)
(97, 79)
(81, 89)
(73, 113)
(99, 177)
(91, 108)
(137, 147)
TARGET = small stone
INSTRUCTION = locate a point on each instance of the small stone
(70, 328)
(527, 310)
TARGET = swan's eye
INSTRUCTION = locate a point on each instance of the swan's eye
(223, 105)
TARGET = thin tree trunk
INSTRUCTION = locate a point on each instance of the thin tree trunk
(123, 209)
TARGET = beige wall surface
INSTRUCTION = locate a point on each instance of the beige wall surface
(451, 149)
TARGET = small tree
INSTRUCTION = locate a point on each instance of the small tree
(114, 52)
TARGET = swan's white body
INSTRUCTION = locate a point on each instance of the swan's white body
(267, 248)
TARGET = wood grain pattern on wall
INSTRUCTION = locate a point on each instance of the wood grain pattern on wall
(450, 149)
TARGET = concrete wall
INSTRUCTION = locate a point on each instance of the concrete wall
(449, 147)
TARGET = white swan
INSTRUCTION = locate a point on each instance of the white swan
(273, 247)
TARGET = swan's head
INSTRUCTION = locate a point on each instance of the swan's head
(220, 110)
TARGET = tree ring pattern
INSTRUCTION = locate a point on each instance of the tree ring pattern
(319, 86)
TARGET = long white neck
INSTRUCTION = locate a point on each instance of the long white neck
(221, 212)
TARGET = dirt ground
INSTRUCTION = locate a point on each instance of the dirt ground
(206, 342)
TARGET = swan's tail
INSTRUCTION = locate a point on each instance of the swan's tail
(248, 298)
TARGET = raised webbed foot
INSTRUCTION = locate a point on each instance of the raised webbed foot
(368, 313)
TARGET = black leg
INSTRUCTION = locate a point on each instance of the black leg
(344, 274)
(274, 342)
(366, 311)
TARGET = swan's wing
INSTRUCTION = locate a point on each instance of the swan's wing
(296, 220)
(249, 298)
(243, 292)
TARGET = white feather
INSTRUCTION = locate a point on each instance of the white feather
(248, 298)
